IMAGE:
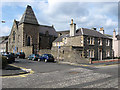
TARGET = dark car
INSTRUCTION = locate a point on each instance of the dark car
(13, 54)
(20, 55)
(10, 57)
(33, 57)
(46, 58)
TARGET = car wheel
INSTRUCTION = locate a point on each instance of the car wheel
(45, 60)
(38, 60)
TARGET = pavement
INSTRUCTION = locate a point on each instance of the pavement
(90, 65)
(12, 70)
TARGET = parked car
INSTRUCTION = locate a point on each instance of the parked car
(46, 58)
(20, 55)
(33, 57)
(10, 57)
(13, 54)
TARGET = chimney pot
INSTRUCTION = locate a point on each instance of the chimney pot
(71, 21)
(101, 30)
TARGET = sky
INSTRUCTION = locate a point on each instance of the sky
(59, 13)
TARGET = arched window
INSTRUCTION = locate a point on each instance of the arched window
(13, 36)
(28, 41)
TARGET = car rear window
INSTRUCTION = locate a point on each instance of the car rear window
(49, 55)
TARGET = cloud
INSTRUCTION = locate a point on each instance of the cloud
(5, 30)
(85, 14)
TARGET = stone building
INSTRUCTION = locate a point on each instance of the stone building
(87, 43)
(4, 44)
(116, 44)
(28, 36)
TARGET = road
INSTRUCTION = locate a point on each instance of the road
(54, 75)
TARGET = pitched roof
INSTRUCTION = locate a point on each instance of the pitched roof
(3, 38)
(50, 29)
(59, 39)
(66, 31)
(28, 16)
(90, 32)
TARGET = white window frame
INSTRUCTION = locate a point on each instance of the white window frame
(107, 53)
(92, 41)
(100, 42)
(107, 42)
(91, 53)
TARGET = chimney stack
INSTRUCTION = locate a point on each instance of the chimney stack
(114, 34)
(101, 30)
(72, 28)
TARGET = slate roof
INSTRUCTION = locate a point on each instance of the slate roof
(90, 32)
(3, 39)
(59, 39)
(84, 31)
(66, 31)
(118, 37)
(50, 29)
(28, 16)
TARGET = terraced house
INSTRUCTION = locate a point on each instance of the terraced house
(86, 43)
(28, 36)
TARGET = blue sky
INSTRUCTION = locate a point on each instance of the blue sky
(59, 14)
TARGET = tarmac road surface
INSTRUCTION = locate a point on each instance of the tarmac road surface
(54, 75)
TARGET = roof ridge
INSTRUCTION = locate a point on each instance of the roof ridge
(28, 16)
(46, 26)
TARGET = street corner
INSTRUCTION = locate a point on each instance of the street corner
(15, 71)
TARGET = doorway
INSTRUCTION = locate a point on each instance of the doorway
(100, 54)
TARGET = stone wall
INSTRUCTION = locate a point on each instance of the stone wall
(96, 47)
(44, 51)
(27, 50)
(74, 41)
(66, 54)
